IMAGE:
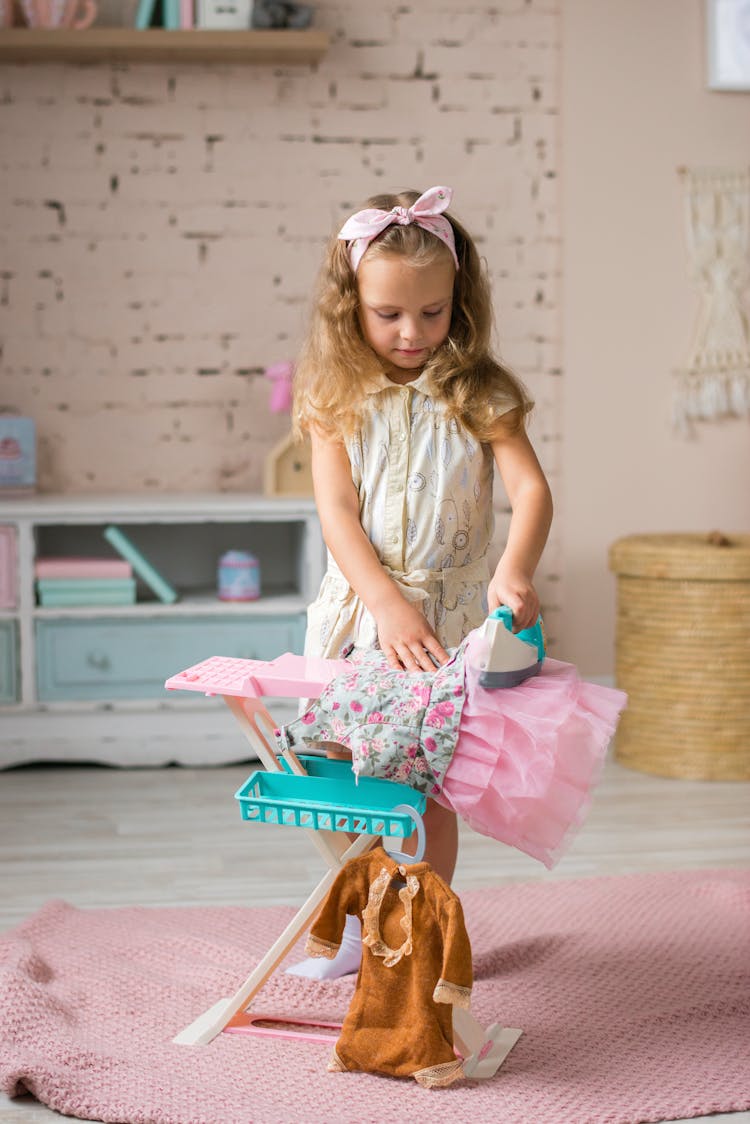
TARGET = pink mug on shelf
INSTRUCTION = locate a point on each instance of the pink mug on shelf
(75, 14)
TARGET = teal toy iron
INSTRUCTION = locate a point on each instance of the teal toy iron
(509, 657)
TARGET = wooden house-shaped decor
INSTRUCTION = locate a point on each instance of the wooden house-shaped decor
(288, 468)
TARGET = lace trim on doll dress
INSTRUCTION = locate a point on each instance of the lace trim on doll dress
(371, 916)
(314, 946)
(438, 1076)
(335, 1064)
(455, 994)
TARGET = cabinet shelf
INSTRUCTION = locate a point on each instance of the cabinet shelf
(94, 657)
(126, 44)
(191, 605)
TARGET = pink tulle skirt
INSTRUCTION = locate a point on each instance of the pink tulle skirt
(527, 757)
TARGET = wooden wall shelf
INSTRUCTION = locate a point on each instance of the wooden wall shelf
(125, 44)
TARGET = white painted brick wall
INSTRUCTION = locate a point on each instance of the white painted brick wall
(161, 226)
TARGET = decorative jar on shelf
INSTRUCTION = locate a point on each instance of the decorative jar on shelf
(238, 576)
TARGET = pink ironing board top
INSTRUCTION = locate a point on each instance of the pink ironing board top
(287, 676)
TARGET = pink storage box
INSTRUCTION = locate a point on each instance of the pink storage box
(82, 568)
(8, 584)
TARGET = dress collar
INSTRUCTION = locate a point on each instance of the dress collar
(371, 933)
(380, 382)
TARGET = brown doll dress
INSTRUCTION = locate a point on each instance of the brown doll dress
(416, 963)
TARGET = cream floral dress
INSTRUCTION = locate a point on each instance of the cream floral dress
(425, 502)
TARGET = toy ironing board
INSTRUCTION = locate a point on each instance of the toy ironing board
(321, 796)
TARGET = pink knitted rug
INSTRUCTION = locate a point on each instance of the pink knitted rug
(633, 993)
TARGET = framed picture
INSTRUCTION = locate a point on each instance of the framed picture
(728, 43)
(17, 455)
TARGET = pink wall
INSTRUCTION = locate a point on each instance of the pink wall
(635, 107)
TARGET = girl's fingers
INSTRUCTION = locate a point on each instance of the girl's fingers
(529, 616)
(406, 658)
(423, 660)
(516, 606)
(436, 652)
(429, 656)
(417, 658)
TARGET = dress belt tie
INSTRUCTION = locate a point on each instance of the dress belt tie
(412, 583)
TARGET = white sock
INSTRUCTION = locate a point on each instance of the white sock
(346, 960)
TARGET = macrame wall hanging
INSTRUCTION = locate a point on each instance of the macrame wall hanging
(716, 380)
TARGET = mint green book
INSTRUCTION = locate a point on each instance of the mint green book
(144, 14)
(143, 568)
(86, 585)
(69, 598)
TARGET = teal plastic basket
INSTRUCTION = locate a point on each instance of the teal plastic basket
(329, 799)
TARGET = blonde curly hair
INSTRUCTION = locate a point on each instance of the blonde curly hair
(336, 362)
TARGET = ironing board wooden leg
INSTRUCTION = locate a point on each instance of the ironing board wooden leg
(205, 1028)
(468, 1032)
(246, 712)
(484, 1051)
(335, 848)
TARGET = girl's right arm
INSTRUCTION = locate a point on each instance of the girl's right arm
(404, 634)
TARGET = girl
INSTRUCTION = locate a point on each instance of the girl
(408, 414)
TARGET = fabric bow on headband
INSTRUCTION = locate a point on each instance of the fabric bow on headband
(427, 212)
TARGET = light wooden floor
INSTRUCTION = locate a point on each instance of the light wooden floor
(100, 837)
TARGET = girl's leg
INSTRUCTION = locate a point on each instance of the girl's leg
(346, 960)
(349, 955)
(441, 833)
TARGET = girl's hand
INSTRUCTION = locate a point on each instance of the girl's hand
(403, 632)
(516, 590)
(406, 638)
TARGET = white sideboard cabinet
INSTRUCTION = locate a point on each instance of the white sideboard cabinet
(86, 683)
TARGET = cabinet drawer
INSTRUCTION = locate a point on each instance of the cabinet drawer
(8, 662)
(130, 659)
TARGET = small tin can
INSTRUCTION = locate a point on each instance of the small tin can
(238, 576)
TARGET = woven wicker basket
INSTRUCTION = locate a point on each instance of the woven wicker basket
(683, 654)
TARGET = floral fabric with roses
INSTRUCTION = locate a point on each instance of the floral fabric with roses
(399, 725)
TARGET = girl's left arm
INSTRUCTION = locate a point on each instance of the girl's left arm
(531, 503)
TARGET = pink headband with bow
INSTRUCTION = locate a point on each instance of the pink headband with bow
(427, 212)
